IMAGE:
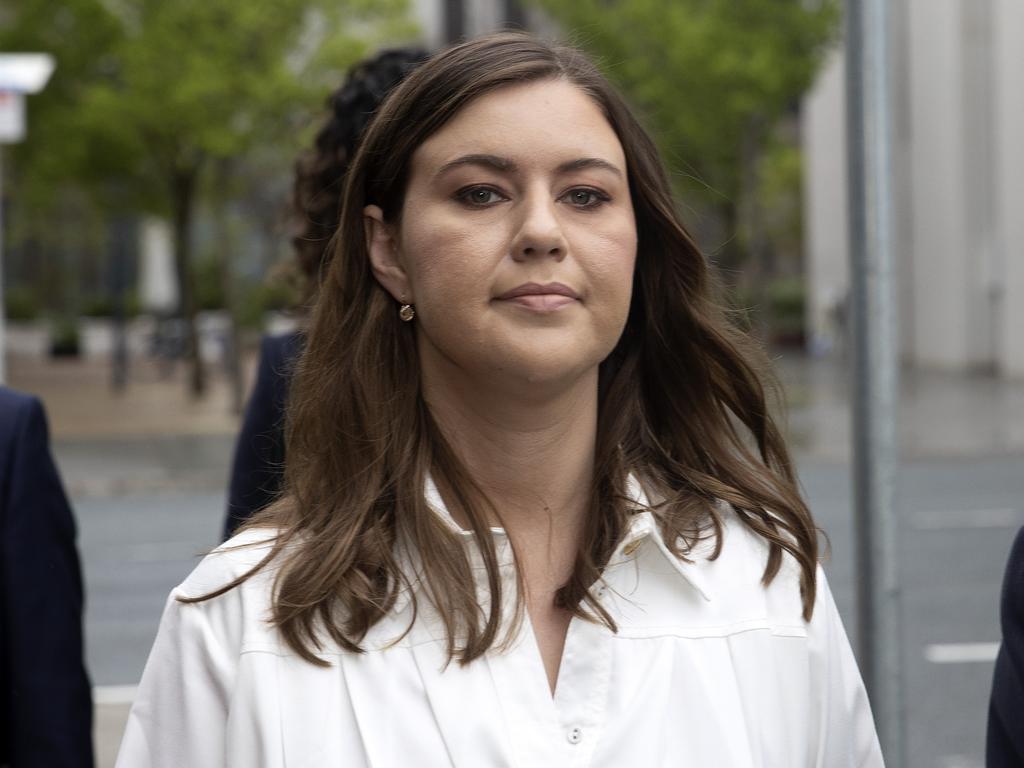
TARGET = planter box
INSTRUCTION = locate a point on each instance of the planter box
(31, 340)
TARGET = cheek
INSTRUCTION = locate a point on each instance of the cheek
(448, 261)
(612, 261)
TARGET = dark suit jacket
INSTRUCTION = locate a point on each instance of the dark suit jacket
(258, 467)
(1005, 746)
(46, 717)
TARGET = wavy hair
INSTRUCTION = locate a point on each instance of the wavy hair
(682, 404)
(320, 171)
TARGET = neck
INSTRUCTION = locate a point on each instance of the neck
(532, 454)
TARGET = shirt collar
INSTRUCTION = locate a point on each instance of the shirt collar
(642, 525)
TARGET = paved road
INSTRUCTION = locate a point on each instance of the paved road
(141, 533)
(958, 517)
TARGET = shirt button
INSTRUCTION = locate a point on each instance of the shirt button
(602, 591)
(575, 735)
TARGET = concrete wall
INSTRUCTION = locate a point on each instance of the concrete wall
(958, 167)
(937, 175)
(1008, 55)
(823, 133)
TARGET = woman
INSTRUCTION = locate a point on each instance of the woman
(535, 513)
(256, 471)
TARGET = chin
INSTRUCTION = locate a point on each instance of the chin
(549, 367)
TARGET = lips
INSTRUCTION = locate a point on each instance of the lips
(537, 289)
(540, 298)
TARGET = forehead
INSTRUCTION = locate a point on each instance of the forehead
(535, 124)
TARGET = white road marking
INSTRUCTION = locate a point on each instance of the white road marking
(960, 653)
(960, 761)
(114, 694)
(999, 517)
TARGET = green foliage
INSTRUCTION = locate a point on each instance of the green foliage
(780, 193)
(21, 304)
(209, 281)
(144, 89)
(150, 95)
(103, 306)
(787, 300)
(780, 306)
(261, 297)
(98, 306)
(704, 70)
(64, 337)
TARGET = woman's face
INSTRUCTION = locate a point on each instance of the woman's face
(517, 239)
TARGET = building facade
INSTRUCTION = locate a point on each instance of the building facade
(958, 168)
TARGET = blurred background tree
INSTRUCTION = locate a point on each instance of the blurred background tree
(716, 80)
(155, 106)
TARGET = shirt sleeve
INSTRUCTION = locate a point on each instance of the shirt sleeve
(847, 736)
(179, 717)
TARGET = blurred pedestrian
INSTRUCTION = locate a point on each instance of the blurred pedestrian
(536, 511)
(1005, 744)
(46, 715)
(256, 471)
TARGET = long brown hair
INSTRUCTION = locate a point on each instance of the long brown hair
(681, 405)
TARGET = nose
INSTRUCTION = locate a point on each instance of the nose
(540, 233)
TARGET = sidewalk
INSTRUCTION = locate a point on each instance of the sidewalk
(80, 402)
(940, 413)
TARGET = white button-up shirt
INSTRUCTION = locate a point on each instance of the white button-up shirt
(708, 668)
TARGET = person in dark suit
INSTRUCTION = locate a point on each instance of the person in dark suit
(46, 717)
(258, 467)
(1005, 744)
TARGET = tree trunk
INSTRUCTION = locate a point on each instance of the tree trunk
(184, 186)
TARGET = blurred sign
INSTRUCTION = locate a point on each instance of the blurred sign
(25, 72)
(12, 117)
(20, 73)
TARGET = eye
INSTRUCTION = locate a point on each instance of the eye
(479, 197)
(584, 197)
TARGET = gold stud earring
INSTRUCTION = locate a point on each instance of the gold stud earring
(407, 312)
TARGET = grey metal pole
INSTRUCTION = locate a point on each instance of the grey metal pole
(869, 140)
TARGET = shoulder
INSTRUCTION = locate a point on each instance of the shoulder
(278, 355)
(236, 617)
(734, 580)
(23, 426)
(13, 402)
(18, 410)
(231, 560)
(1013, 589)
(278, 352)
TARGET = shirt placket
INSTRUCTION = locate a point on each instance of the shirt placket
(581, 697)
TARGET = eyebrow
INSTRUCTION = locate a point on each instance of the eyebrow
(507, 165)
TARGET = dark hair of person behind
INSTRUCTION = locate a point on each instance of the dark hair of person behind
(681, 405)
(320, 171)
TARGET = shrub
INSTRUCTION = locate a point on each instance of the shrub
(21, 304)
(64, 340)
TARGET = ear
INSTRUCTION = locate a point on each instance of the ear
(382, 247)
